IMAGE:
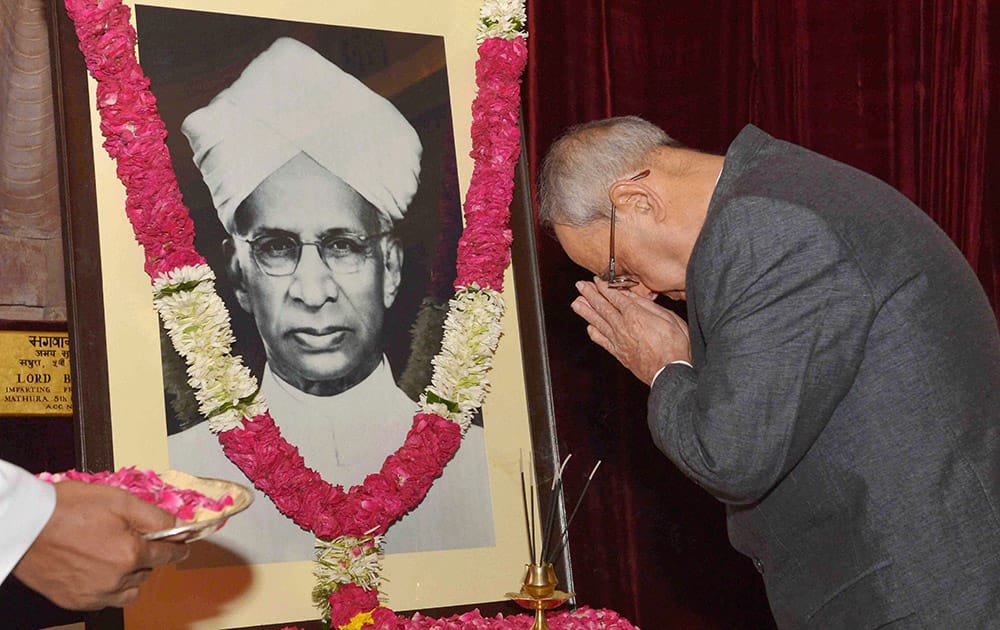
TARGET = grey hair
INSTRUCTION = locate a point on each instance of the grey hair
(583, 164)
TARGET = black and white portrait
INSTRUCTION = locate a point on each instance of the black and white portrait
(318, 163)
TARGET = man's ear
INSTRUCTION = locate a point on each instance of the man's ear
(393, 275)
(631, 197)
(235, 274)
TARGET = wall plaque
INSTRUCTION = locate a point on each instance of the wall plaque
(34, 374)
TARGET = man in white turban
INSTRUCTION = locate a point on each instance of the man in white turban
(308, 170)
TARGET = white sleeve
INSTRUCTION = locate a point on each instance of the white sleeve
(26, 503)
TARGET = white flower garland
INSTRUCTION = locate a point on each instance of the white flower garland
(501, 18)
(472, 332)
(197, 322)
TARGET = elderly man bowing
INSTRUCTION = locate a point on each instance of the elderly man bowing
(309, 170)
(837, 383)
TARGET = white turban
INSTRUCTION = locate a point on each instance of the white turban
(289, 100)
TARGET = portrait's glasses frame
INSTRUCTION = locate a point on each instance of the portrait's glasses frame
(330, 260)
(622, 283)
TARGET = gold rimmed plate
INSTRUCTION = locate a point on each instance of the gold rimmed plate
(205, 522)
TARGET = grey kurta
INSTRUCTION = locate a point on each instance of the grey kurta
(845, 396)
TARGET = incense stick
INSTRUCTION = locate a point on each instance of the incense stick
(556, 494)
(531, 495)
(524, 500)
(545, 554)
(565, 535)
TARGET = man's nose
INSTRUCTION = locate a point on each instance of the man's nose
(313, 283)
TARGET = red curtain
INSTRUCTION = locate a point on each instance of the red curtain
(900, 89)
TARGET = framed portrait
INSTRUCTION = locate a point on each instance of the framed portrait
(409, 69)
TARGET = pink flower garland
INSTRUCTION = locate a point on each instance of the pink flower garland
(583, 618)
(276, 467)
(134, 137)
(351, 599)
(484, 249)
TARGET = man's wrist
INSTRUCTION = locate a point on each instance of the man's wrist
(660, 371)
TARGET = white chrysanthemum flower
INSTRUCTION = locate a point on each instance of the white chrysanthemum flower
(348, 559)
(436, 408)
(182, 275)
(344, 560)
(196, 320)
(224, 389)
(501, 18)
(472, 332)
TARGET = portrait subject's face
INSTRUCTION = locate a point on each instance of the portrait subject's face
(321, 324)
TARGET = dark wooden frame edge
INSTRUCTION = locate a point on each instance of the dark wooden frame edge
(84, 293)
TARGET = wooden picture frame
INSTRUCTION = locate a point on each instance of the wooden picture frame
(117, 371)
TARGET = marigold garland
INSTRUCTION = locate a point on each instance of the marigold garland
(349, 524)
